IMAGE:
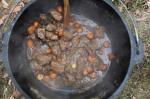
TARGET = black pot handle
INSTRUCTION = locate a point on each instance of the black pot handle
(139, 52)
(138, 45)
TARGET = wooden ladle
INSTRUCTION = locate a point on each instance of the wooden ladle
(66, 13)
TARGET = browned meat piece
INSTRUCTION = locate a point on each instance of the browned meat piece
(65, 45)
(31, 30)
(90, 36)
(92, 58)
(57, 67)
(49, 50)
(36, 24)
(76, 41)
(53, 75)
(100, 32)
(39, 49)
(88, 70)
(54, 37)
(30, 43)
(56, 50)
(52, 43)
(93, 75)
(103, 67)
(79, 30)
(56, 15)
(94, 44)
(59, 31)
(51, 36)
(67, 36)
(48, 35)
(43, 59)
(41, 33)
(50, 27)
(77, 25)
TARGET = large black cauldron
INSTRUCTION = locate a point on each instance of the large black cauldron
(103, 13)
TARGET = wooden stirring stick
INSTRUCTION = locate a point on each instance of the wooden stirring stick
(66, 13)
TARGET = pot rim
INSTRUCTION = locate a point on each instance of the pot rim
(5, 44)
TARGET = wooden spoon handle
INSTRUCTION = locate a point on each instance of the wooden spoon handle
(66, 13)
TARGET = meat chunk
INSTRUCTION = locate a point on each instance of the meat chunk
(87, 70)
(52, 75)
(67, 36)
(50, 27)
(103, 67)
(56, 15)
(31, 30)
(54, 37)
(76, 41)
(57, 67)
(65, 45)
(30, 43)
(94, 44)
(41, 33)
(90, 35)
(52, 43)
(56, 50)
(36, 24)
(43, 59)
(51, 36)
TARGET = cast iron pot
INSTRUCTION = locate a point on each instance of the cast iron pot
(103, 12)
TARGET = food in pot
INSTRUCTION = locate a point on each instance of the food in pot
(103, 67)
(72, 56)
(56, 15)
(40, 76)
(52, 75)
(111, 56)
(90, 35)
(31, 30)
(36, 24)
(30, 43)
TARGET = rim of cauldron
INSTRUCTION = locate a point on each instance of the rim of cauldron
(6, 43)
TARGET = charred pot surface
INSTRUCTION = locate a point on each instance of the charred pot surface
(75, 58)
